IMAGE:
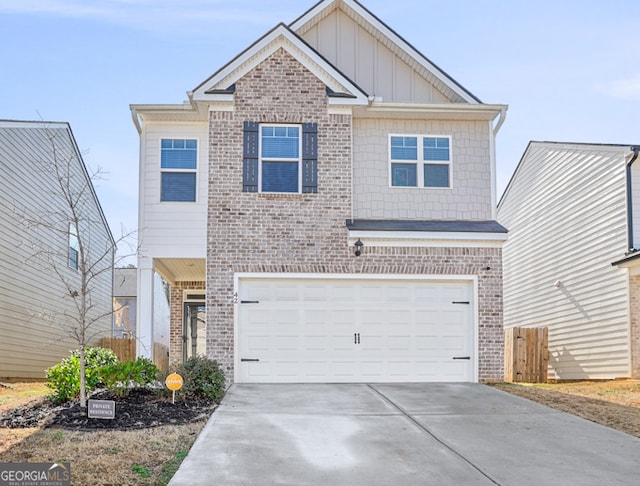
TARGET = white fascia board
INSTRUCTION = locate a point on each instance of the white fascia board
(423, 239)
(393, 37)
(281, 37)
(340, 110)
(477, 111)
(163, 107)
(221, 106)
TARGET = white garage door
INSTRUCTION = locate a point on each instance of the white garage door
(307, 330)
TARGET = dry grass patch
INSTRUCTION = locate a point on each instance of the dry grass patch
(100, 457)
(147, 456)
(614, 404)
(15, 394)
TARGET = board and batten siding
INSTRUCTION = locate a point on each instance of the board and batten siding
(369, 62)
(565, 210)
(469, 197)
(172, 229)
(29, 289)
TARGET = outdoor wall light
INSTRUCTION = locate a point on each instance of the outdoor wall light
(358, 246)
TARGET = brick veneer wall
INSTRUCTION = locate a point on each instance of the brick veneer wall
(306, 233)
(634, 297)
(176, 322)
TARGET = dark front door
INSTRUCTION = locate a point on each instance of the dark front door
(195, 326)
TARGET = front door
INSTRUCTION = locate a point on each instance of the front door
(195, 325)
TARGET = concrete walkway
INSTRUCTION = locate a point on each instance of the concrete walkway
(404, 434)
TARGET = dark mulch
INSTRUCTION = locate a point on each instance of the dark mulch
(140, 409)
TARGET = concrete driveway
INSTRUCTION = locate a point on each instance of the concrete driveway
(401, 434)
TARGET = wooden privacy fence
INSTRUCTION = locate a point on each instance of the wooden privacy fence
(125, 348)
(161, 357)
(526, 354)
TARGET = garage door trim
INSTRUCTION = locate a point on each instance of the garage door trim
(473, 279)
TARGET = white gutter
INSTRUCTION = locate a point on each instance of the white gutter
(136, 119)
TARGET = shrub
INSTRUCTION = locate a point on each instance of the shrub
(120, 378)
(64, 378)
(203, 378)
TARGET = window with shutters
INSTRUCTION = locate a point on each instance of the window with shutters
(420, 161)
(280, 149)
(280, 158)
(178, 164)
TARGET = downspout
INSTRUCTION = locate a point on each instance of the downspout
(503, 117)
(630, 242)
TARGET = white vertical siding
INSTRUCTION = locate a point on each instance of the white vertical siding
(29, 289)
(369, 62)
(566, 215)
(172, 229)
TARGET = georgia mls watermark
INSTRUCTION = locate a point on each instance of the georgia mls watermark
(35, 474)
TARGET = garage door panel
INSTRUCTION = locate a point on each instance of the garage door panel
(305, 330)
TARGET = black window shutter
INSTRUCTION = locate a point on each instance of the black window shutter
(309, 158)
(250, 158)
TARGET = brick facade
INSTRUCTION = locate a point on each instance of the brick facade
(306, 233)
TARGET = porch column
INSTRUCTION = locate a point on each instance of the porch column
(144, 331)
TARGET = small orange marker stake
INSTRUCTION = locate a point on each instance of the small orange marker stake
(174, 382)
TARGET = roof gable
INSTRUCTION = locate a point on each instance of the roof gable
(219, 86)
(388, 42)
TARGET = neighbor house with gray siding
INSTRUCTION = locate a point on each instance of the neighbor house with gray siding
(571, 261)
(40, 253)
(323, 207)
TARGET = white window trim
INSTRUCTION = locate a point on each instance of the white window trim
(279, 159)
(162, 170)
(420, 162)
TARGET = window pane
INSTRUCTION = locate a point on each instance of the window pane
(178, 186)
(436, 148)
(436, 175)
(73, 258)
(179, 154)
(280, 142)
(403, 175)
(404, 148)
(280, 177)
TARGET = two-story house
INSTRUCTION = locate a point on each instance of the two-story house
(323, 207)
(56, 249)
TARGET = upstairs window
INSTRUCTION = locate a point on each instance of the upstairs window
(280, 149)
(179, 164)
(280, 158)
(74, 247)
(420, 161)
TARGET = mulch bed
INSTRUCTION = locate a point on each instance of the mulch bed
(140, 409)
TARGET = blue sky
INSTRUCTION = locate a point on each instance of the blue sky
(569, 70)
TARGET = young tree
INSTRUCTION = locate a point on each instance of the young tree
(84, 266)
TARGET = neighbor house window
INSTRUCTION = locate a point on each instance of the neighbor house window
(179, 164)
(280, 149)
(74, 246)
(420, 161)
